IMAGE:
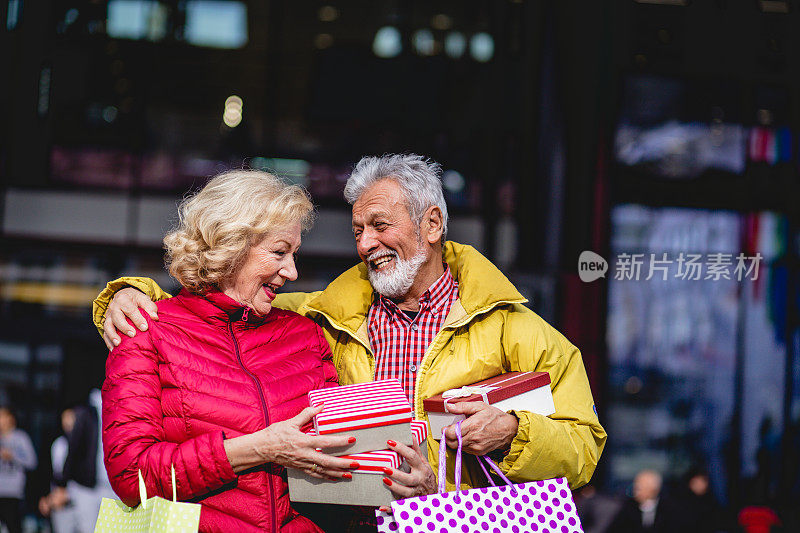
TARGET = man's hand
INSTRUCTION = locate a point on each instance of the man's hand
(124, 305)
(420, 480)
(6, 454)
(486, 428)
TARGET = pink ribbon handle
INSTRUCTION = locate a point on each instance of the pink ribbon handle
(457, 466)
(484, 458)
(443, 460)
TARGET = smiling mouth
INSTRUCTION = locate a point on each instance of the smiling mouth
(271, 289)
(378, 263)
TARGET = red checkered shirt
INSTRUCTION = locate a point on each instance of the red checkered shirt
(399, 342)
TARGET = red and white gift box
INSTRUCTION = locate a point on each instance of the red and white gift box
(361, 489)
(372, 412)
(419, 430)
(374, 462)
(517, 391)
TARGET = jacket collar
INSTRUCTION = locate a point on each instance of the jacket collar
(214, 305)
(481, 286)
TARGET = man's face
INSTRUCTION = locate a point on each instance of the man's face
(387, 240)
(646, 486)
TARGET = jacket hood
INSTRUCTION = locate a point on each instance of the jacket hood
(481, 286)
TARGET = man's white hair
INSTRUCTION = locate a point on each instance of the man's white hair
(418, 177)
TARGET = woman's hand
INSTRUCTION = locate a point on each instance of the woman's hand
(420, 480)
(283, 443)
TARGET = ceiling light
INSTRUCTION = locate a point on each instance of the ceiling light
(423, 42)
(455, 44)
(387, 42)
(481, 47)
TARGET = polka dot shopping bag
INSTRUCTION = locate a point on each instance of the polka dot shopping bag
(154, 515)
(539, 506)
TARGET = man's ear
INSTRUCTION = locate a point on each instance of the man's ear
(433, 225)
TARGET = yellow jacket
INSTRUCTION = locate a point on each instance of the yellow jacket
(488, 331)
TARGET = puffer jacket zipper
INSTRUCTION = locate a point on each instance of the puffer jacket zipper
(257, 383)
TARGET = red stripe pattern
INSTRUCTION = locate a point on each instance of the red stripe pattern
(374, 462)
(399, 342)
(419, 429)
(359, 406)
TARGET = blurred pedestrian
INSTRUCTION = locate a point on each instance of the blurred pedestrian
(595, 509)
(702, 512)
(79, 478)
(57, 505)
(648, 510)
(16, 457)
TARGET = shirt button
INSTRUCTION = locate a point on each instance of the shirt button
(413, 368)
(414, 327)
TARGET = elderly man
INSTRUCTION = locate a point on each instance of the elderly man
(434, 315)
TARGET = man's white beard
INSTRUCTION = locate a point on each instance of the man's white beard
(396, 282)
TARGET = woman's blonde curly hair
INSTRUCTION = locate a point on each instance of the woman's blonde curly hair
(218, 225)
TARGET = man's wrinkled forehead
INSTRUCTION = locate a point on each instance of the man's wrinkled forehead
(384, 198)
(368, 215)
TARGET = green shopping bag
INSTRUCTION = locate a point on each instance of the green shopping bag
(155, 515)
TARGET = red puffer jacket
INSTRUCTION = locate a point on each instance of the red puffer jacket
(202, 373)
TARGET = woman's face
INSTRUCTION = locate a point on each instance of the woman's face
(269, 264)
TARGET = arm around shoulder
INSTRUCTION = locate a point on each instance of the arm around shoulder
(101, 302)
(568, 442)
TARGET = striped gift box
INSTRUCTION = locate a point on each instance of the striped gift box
(419, 428)
(360, 406)
(371, 462)
(419, 431)
(374, 462)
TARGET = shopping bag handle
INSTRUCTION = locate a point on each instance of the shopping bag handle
(443, 460)
(143, 488)
(457, 468)
(485, 459)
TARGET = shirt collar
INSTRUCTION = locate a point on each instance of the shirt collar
(441, 290)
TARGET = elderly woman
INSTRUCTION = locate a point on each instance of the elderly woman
(217, 386)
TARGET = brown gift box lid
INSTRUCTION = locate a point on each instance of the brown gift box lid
(506, 386)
